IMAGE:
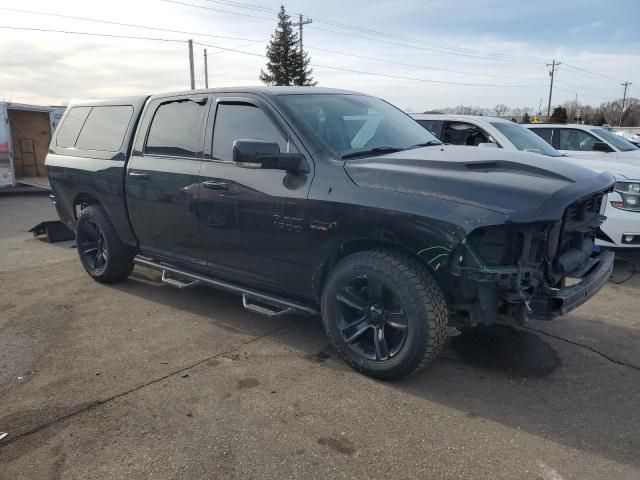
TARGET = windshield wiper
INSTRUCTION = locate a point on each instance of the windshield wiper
(371, 151)
(430, 143)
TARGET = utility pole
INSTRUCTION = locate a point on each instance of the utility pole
(193, 78)
(624, 100)
(206, 71)
(300, 24)
(553, 66)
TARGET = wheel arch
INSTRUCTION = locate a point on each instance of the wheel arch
(360, 245)
(81, 200)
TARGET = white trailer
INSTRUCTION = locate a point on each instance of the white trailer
(25, 134)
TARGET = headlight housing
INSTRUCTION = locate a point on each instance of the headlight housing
(630, 195)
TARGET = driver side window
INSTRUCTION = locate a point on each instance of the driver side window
(576, 140)
(242, 121)
(461, 133)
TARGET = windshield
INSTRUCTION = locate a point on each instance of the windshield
(615, 140)
(347, 124)
(524, 139)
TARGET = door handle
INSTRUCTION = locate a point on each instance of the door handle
(139, 175)
(216, 185)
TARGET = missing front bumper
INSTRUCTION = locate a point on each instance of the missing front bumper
(563, 301)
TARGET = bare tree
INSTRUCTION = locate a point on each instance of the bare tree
(501, 109)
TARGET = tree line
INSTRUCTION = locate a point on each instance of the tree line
(607, 113)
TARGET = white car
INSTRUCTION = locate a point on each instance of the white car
(622, 209)
(633, 138)
(588, 142)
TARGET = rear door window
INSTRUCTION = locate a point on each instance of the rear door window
(70, 129)
(544, 133)
(177, 129)
(104, 128)
(462, 133)
(242, 121)
(575, 140)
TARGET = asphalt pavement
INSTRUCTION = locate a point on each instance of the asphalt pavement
(140, 380)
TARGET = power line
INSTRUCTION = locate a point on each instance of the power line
(369, 31)
(418, 65)
(454, 50)
(218, 10)
(121, 24)
(130, 25)
(592, 73)
(377, 74)
(583, 94)
(133, 37)
(581, 87)
(93, 34)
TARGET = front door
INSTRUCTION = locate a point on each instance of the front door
(578, 143)
(251, 219)
(162, 178)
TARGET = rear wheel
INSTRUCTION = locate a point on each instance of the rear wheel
(384, 313)
(103, 255)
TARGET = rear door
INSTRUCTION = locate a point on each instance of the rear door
(251, 220)
(574, 142)
(162, 177)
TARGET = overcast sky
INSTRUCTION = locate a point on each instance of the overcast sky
(504, 43)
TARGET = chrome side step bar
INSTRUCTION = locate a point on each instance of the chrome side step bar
(281, 305)
(261, 310)
(174, 282)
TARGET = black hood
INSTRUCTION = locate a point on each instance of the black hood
(520, 185)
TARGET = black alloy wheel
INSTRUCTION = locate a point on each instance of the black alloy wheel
(384, 313)
(372, 322)
(92, 246)
(102, 254)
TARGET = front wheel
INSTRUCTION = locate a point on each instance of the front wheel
(384, 313)
(103, 255)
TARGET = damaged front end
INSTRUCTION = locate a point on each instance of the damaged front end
(538, 269)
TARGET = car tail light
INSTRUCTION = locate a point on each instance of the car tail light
(4, 147)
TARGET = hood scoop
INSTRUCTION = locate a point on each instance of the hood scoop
(513, 167)
(482, 166)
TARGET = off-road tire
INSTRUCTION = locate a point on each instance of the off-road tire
(118, 263)
(418, 294)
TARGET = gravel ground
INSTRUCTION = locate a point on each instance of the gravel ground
(140, 380)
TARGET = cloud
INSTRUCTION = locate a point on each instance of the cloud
(54, 68)
(586, 27)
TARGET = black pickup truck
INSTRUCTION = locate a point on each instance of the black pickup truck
(320, 201)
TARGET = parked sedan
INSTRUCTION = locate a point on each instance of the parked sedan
(622, 227)
(588, 142)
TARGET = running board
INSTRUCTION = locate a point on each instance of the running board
(281, 305)
(174, 282)
(262, 310)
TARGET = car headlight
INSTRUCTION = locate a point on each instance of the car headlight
(630, 196)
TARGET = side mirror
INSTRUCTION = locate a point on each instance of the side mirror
(602, 147)
(487, 145)
(266, 155)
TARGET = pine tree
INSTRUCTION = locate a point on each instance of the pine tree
(286, 65)
(303, 72)
(559, 115)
